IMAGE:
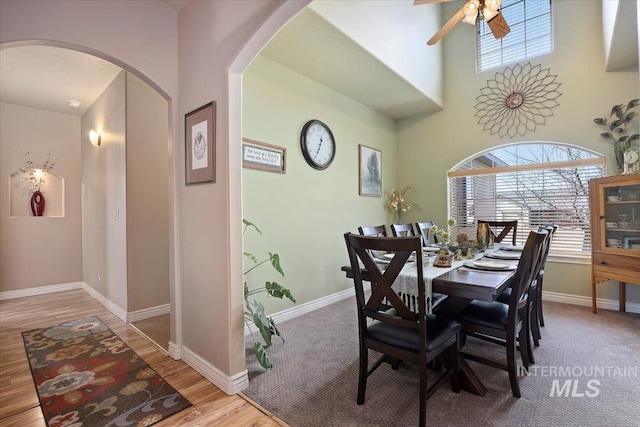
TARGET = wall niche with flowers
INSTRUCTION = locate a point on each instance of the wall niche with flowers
(36, 190)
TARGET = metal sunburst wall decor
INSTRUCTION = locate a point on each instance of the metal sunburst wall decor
(517, 100)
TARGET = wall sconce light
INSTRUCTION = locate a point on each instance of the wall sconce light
(95, 138)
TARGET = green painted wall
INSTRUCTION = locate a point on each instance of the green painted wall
(430, 145)
(304, 213)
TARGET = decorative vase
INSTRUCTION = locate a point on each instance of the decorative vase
(37, 203)
(483, 234)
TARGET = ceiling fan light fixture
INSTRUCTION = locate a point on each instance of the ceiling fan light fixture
(490, 9)
(470, 11)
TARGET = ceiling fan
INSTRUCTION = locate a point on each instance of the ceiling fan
(469, 13)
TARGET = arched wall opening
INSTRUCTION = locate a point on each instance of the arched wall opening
(160, 93)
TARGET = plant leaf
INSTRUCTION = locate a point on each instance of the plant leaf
(632, 103)
(623, 138)
(634, 137)
(616, 123)
(250, 224)
(278, 291)
(606, 135)
(275, 262)
(246, 289)
(262, 323)
(251, 256)
(261, 354)
(600, 121)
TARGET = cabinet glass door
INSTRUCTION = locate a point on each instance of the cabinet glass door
(622, 218)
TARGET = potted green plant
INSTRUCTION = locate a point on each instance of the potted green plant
(618, 134)
(254, 310)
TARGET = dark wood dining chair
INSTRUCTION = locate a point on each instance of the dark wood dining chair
(377, 230)
(398, 333)
(500, 229)
(402, 230)
(507, 324)
(422, 228)
(535, 293)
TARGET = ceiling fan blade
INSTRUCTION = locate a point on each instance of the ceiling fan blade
(498, 26)
(446, 27)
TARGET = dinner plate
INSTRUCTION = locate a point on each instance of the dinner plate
(490, 265)
(511, 255)
(431, 248)
(389, 257)
(515, 248)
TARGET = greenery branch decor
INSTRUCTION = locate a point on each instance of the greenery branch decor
(617, 133)
(398, 203)
(254, 310)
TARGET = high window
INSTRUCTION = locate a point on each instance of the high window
(534, 183)
(530, 36)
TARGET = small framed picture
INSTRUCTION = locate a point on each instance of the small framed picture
(370, 171)
(200, 144)
(263, 156)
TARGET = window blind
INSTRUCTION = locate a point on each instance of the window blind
(530, 36)
(533, 194)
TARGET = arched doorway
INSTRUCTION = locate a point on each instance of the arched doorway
(118, 299)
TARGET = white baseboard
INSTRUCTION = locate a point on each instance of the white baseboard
(147, 313)
(607, 304)
(308, 307)
(230, 385)
(41, 290)
(175, 351)
(117, 311)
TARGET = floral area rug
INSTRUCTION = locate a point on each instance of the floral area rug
(86, 375)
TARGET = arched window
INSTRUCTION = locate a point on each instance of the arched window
(536, 183)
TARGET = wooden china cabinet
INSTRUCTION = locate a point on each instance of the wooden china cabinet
(615, 228)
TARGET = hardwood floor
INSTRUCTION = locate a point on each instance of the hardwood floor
(156, 329)
(19, 405)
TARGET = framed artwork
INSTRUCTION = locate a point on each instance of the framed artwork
(370, 171)
(200, 144)
(263, 156)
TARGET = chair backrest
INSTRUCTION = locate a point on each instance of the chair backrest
(402, 230)
(550, 229)
(528, 270)
(500, 229)
(378, 230)
(422, 228)
(382, 296)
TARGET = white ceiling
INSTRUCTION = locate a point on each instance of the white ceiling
(46, 77)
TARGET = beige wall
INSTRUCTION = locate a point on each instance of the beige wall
(431, 145)
(104, 205)
(304, 213)
(39, 251)
(147, 179)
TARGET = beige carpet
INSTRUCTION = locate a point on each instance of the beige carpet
(314, 379)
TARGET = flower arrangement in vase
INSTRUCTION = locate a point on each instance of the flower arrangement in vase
(398, 203)
(618, 133)
(35, 177)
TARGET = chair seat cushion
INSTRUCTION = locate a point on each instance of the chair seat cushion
(437, 299)
(483, 313)
(439, 330)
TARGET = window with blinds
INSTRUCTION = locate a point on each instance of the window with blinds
(533, 183)
(530, 36)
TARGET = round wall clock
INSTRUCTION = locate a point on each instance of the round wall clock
(317, 144)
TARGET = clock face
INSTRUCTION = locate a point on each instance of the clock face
(631, 156)
(318, 145)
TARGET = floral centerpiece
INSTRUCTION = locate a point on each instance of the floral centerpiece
(452, 240)
(617, 133)
(398, 203)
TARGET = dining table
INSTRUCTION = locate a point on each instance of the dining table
(463, 282)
